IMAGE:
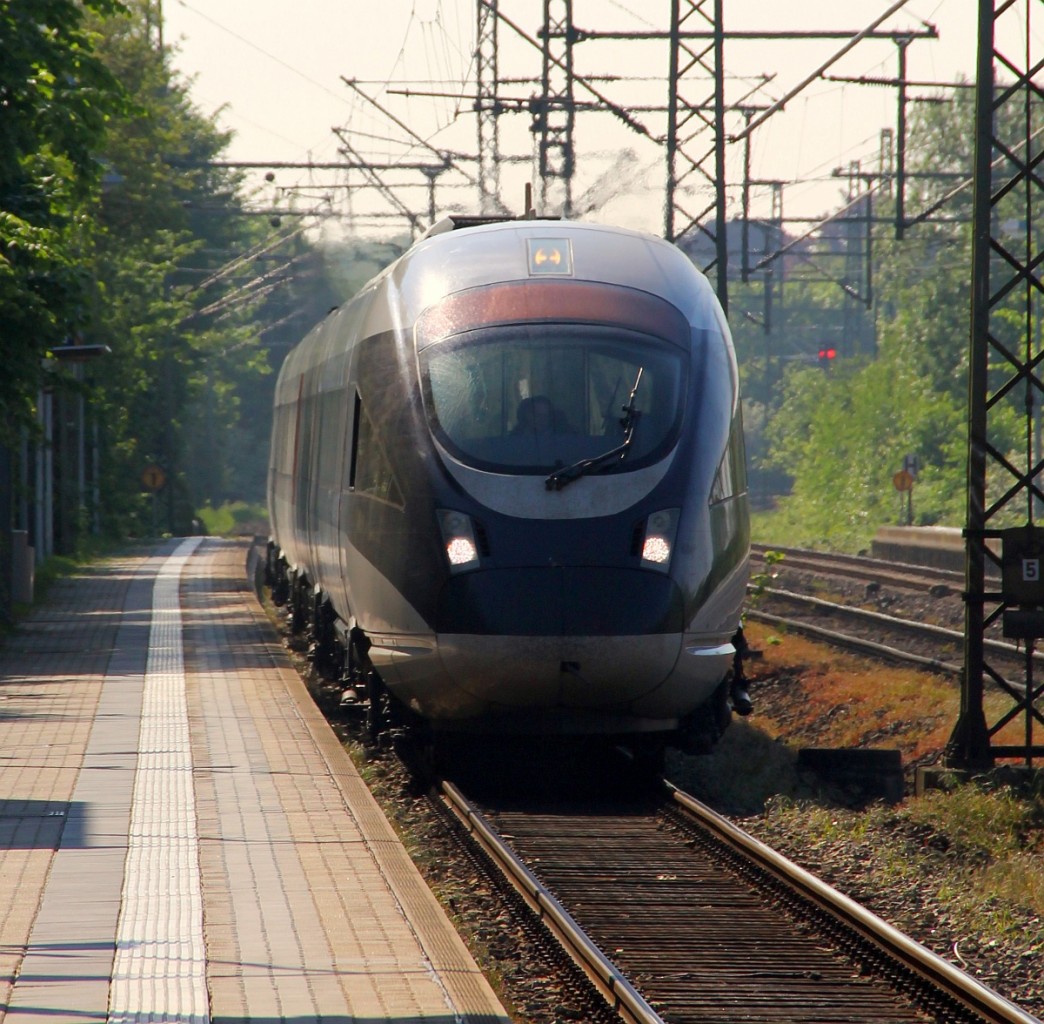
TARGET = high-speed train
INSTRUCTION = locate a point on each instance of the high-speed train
(507, 484)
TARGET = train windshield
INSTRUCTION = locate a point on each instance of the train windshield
(536, 398)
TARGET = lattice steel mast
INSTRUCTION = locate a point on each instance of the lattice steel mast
(555, 110)
(1006, 352)
(487, 105)
(692, 161)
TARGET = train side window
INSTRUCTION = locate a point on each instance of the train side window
(731, 477)
(370, 470)
(303, 459)
(353, 462)
(331, 425)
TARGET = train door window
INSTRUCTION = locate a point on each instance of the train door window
(281, 452)
(295, 446)
(370, 470)
(731, 477)
(330, 428)
(285, 432)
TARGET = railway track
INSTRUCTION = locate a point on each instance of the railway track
(859, 567)
(924, 604)
(867, 632)
(677, 915)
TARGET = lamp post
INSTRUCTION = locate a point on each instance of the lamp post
(64, 428)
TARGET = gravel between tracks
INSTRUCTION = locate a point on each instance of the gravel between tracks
(942, 607)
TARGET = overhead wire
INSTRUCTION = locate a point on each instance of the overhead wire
(247, 292)
(445, 57)
(637, 17)
(262, 248)
(265, 53)
(340, 97)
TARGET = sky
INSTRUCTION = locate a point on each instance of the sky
(273, 71)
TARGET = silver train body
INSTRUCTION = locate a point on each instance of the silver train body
(512, 470)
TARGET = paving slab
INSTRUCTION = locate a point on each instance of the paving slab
(182, 837)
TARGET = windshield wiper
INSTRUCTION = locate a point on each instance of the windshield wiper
(560, 477)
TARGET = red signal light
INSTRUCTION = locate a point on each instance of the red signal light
(826, 355)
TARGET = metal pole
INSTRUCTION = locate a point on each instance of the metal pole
(672, 123)
(486, 105)
(45, 506)
(721, 224)
(900, 169)
(745, 254)
(970, 744)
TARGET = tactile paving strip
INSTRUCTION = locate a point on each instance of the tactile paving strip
(159, 972)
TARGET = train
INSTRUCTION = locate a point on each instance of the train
(507, 489)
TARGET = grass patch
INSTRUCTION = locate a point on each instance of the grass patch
(814, 696)
(234, 519)
(975, 852)
(807, 695)
(54, 568)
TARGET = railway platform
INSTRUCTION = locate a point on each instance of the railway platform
(182, 837)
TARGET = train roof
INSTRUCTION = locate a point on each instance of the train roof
(460, 221)
(461, 252)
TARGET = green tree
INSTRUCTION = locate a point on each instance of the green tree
(284, 291)
(55, 98)
(168, 222)
(842, 435)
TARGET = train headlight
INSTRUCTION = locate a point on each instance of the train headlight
(458, 536)
(661, 529)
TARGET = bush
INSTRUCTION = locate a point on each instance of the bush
(236, 518)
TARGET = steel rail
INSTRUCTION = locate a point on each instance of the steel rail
(856, 643)
(926, 629)
(613, 986)
(877, 618)
(861, 565)
(990, 1005)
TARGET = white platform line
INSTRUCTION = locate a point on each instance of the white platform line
(159, 972)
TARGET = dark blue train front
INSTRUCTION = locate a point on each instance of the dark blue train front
(512, 467)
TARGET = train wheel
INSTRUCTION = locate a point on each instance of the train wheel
(699, 732)
(327, 653)
(298, 603)
(280, 584)
(377, 723)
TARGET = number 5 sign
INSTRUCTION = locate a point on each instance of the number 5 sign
(1022, 552)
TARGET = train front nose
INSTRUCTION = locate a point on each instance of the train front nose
(559, 636)
(560, 601)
